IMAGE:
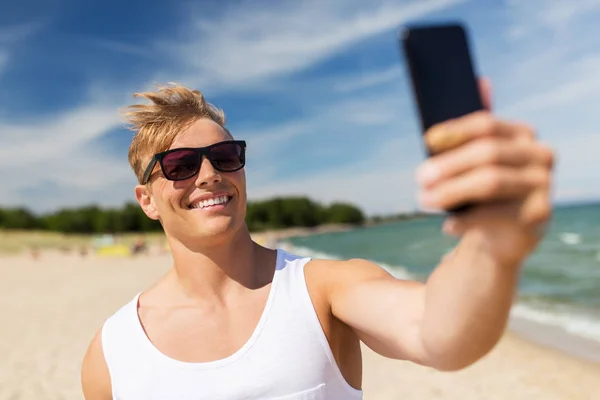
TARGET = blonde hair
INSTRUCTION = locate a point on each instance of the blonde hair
(156, 125)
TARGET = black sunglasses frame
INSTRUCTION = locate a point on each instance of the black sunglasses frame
(201, 151)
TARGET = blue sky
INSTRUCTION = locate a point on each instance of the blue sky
(317, 88)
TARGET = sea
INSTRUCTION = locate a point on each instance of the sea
(558, 300)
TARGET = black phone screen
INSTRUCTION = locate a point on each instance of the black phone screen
(442, 73)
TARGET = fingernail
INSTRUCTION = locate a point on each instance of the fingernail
(444, 137)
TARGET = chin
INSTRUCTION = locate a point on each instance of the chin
(217, 228)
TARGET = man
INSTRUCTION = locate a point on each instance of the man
(235, 320)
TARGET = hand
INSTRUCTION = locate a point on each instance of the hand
(501, 168)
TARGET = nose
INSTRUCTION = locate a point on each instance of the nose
(207, 175)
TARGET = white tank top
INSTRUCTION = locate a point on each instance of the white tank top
(287, 356)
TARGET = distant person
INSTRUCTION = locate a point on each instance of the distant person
(139, 247)
(235, 320)
(35, 252)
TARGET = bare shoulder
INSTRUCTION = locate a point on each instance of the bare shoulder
(342, 278)
(358, 293)
(362, 295)
(333, 275)
(95, 378)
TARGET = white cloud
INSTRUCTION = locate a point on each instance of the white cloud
(39, 139)
(558, 14)
(54, 151)
(380, 184)
(12, 35)
(378, 178)
(326, 129)
(573, 91)
(120, 47)
(15, 33)
(577, 175)
(556, 88)
(369, 79)
(372, 111)
(553, 16)
(247, 43)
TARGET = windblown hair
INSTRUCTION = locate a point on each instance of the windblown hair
(173, 108)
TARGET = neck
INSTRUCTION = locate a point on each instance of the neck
(235, 262)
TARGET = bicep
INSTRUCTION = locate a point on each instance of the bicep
(95, 377)
(385, 312)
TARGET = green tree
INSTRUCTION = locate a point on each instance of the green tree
(18, 218)
(341, 213)
(275, 213)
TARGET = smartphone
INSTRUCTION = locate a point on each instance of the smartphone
(442, 74)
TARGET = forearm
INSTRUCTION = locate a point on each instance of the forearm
(467, 303)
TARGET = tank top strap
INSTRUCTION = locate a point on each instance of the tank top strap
(121, 344)
(294, 298)
(289, 274)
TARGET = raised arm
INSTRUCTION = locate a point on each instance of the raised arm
(460, 313)
(95, 378)
(448, 323)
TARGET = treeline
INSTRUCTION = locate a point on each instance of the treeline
(290, 212)
(381, 219)
(269, 214)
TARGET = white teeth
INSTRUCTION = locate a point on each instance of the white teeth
(211, 202)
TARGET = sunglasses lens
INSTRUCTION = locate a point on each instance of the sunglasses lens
(180, 165)
(227, 157)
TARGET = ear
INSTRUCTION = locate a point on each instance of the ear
(144, 198)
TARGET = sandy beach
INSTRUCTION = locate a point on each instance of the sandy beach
(52, 307)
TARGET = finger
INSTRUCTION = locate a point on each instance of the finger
(486, 184)
(451, 134)
(485, 90)
(486, 151)
(537, 210)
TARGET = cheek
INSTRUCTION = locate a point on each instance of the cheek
(241, 186)
(170, 196)
(241, 179)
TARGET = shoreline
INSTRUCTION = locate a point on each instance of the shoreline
(556, 338)
(287, 233)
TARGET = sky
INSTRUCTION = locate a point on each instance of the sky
(318, 89)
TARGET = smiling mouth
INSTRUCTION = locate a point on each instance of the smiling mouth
(215, 201)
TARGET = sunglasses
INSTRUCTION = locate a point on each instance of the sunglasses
(183, 163)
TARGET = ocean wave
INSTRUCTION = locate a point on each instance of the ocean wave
(573, 321)
(396, 270)
(570, 238)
